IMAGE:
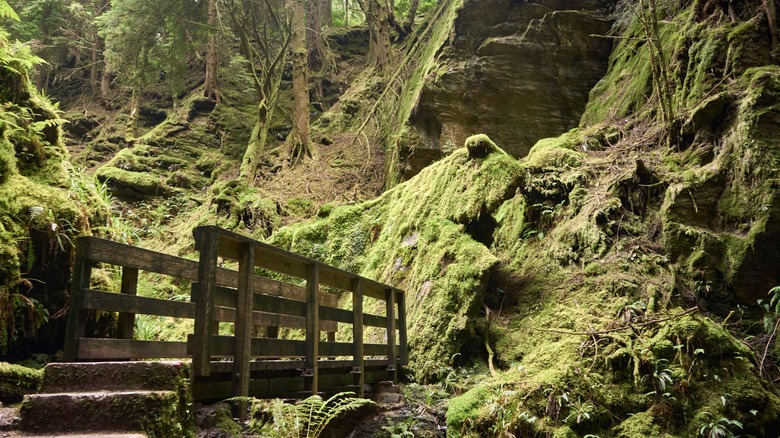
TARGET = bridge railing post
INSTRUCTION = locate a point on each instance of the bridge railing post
(126, 323)
(402, 339)
(311, 372)
(76, 324)
(204, 291)
(391, 354)
(358, 376)
(243, 321)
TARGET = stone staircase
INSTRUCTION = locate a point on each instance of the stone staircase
(130, 399)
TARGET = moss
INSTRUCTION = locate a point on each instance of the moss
(16, 381)
(464, 409)
(641, 424)
(240, 207)
(132, 185)
(417, 237)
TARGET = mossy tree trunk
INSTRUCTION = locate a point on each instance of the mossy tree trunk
(210, 85)
(412, 13)
(315, 20)
(131, 131)
(299, 140)
(378, 15)
(771, 15)
(264, 37)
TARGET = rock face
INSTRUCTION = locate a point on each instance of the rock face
(517, 71)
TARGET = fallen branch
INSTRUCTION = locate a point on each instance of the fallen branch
(618, 329)
(766, 349)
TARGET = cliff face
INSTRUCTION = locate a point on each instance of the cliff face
(516, 71)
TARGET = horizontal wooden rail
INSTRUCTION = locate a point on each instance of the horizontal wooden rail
(246, 300)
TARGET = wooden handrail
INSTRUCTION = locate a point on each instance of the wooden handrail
(241, 297)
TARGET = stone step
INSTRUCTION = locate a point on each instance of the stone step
(125, 411)
(113, 376)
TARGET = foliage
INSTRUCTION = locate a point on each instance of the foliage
(145, 40)
(307, 418)
(719, 428)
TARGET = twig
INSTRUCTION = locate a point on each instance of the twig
(766, 349)
(620, 329)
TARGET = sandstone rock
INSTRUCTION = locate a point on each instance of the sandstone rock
(516, 71)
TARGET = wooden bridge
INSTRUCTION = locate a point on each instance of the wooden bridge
(276, 365)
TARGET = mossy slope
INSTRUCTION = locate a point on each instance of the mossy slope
(43, 206)
(622, 257)
(416, 237)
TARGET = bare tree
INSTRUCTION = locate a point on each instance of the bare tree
(264, 36)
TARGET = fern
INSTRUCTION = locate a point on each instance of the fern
(6, 11)
(307, 418)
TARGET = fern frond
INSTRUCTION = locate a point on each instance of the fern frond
(6, 11)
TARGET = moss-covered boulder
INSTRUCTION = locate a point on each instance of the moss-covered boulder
(428, 236)
(16, 381)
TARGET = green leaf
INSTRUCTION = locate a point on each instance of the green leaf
(6, 11)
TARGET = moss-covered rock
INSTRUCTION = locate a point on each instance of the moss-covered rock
(427, 236)
(16, 381)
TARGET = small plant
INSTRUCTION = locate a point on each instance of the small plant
(402, 429)
(579, 411)
(306, 418)
(660, 377)
(719, 428)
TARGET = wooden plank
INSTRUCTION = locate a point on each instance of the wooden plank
(266, 303)
(243, 321)
(126, 320)
(113, 302)
(101, 348)
(337, 315)
(76, 325)
(204, 291)
(374, 320)
(226, 296)
(272, 320)
(106, 251)
(312, 327)
(358, 372)
(260, 347)
(391, 358)
(402, 336)
(374, 350)
(333, 349)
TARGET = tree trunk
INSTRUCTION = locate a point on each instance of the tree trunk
(210, 86)
(412, 13)
(93, 68)
(131, 131)
(299, 140)
(378, 16)
(314, 41)
(257, 142)
(105, 85)
(771, 15)
(326, 12)
(346, 13)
